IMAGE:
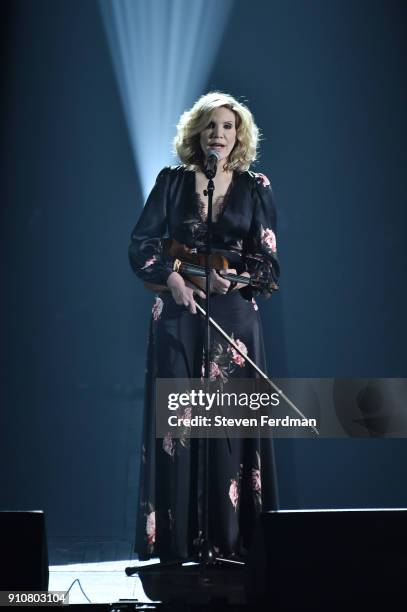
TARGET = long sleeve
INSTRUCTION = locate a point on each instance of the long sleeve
(262, 237)
(146, 247)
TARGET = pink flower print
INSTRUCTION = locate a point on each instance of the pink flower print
(234, 493)
(150, 528)
(268, 238)
(214, 371)
(262, 179)
(186, 426)
(254, 304)
(236, 357)
(168, 445)
(256, 480)
(157, 308)
(149, 262)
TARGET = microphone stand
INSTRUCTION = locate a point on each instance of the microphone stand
(206, 553)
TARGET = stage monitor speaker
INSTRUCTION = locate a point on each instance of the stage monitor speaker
(23, 551)
(328, 559)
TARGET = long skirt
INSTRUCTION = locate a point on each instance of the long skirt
(241, 477)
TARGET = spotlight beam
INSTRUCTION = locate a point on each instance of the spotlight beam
(162, 52)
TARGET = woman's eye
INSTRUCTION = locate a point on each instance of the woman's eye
(227, 126)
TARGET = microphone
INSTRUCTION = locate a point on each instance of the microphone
(211, 164)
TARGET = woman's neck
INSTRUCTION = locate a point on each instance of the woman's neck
(221, 173)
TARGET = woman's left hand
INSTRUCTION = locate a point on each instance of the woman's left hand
(218, 284)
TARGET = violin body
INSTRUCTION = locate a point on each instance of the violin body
(192, 266)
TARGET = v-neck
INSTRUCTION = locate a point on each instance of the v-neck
(201, 204)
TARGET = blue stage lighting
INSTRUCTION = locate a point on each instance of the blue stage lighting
(162, 51)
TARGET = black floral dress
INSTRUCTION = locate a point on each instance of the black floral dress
(241, 471)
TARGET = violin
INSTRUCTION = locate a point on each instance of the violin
(192, 266)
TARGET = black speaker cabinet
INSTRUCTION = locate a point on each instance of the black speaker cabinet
(23, 552)
(328, 559)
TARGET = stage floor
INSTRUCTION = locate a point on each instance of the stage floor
(104, 582)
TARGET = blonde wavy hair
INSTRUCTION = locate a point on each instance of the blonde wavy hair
(186, 143)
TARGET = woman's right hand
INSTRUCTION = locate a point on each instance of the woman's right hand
(183, 295)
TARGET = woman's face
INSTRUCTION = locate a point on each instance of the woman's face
(220, 133)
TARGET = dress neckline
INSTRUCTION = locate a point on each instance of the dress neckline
(223, 206)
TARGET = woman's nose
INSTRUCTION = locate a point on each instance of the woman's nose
(217, 130)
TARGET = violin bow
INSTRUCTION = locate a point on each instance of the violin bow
(254, 365)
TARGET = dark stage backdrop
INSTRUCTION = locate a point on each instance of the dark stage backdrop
(326, 82)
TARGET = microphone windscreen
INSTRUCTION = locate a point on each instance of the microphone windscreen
(212, 153)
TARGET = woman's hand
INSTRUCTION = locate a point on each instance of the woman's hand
(242, 285)
(218, 283)
(182, 294)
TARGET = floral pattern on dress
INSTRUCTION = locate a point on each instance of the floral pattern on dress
(224, 361)
(256, 480)
(214, 371)
(234, 489)
(256, 483)
(186, 429)
(150, 528)
(262, 179)
(268, 239)
(157, 308)
(237, 357)
(168, 444)
(234, 492)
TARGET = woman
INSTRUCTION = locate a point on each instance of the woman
(241, 475)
